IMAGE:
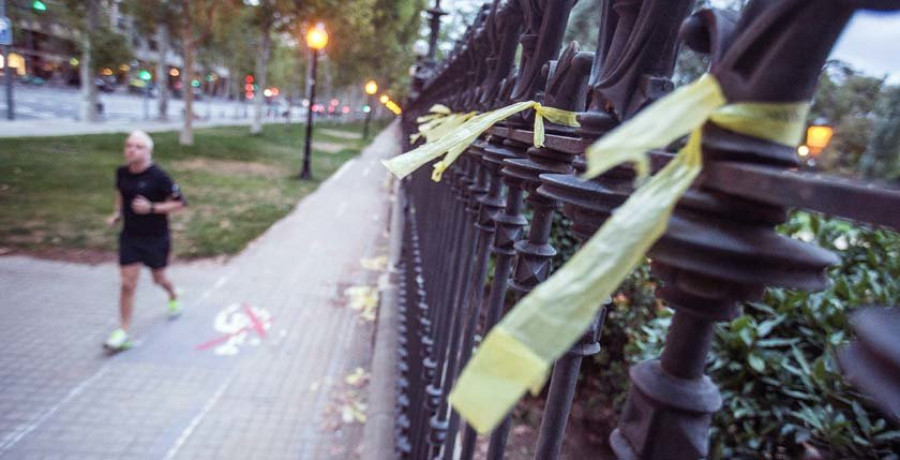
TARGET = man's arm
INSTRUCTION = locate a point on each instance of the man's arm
(168, 206)
(117, 210)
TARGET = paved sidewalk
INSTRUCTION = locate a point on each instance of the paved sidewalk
(271, 396)
(41, 128)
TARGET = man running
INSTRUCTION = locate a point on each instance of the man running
(144, 198)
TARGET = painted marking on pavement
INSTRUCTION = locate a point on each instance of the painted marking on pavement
(236, 322)
(19, 433)
(195, 422)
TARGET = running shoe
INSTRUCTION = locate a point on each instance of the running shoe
(118, 340)
(174, 308)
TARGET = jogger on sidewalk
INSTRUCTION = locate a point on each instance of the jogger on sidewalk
(145, 195)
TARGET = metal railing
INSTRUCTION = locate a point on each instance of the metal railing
(720, 249)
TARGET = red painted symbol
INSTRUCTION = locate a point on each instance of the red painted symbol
(237, 323)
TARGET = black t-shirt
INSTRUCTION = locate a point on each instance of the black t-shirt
(154, 184)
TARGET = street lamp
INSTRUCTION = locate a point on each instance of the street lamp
(316, 39)
(817, 138)
(371, 89)
(818, 135)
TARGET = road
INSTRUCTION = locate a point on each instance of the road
(54, 103)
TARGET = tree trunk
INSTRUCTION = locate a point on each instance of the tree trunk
(88, 89)
(229, 85)
(262, 64)
(162, 72)
(187, 74)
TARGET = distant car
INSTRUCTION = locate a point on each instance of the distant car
(178, 93)
(34, 80)
(105, 85)
(138, 86)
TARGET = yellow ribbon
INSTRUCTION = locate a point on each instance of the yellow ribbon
(439, 122)
(454, 139)
(517, 354)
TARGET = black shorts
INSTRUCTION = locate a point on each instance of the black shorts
(152, 251)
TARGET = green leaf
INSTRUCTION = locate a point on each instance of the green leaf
(766, 326)
(888, 436)
(862, 419)
(741, 322)
(756, 362)
(797, 394)
(746, 336)
(774, 343)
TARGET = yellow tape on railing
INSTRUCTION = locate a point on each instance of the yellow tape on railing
(439, 122)
(454, 141)
(517, 354)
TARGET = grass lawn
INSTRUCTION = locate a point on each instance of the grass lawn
(56, 192)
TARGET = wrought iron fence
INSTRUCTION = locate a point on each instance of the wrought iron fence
(467, 240)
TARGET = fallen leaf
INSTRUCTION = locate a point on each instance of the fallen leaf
(358, 378)
(375, 263)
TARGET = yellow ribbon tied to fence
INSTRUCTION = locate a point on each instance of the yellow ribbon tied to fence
(517, 354)
(438, 123)
(453, 133)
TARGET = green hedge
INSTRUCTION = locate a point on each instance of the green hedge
(784, 395)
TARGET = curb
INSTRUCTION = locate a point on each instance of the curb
(378, 435)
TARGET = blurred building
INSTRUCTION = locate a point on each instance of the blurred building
(46, 50)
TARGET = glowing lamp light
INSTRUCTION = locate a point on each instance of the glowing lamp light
(248, 95)
(248, 79)
(106, 71)
(274, 91)
(195, 83)
(817, 138)
(38, 5)
(803, 150)
(73, 62)
(144, 75)
(317, 37)
(174, 72)
(384, 99)
(16, 61)
(124, 67)
(248, 87)
(345, 110)
(371, 87)
(267, 92)
(366, 109)
(334, 102)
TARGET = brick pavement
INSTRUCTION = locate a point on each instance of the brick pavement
(61, 396)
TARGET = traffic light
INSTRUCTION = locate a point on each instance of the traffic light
(144, 75)
(38, 5)
(248, 79)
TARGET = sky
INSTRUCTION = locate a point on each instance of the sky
(871, 41)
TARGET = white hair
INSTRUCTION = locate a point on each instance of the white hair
(144, 137)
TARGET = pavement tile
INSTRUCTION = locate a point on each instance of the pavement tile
(61, 395)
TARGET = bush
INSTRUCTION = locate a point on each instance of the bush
(784, 395)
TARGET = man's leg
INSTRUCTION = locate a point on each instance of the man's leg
(160, 278)
(126, 299)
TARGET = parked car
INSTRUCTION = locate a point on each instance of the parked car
(107, 85)
(33, 80)
(138, 86)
